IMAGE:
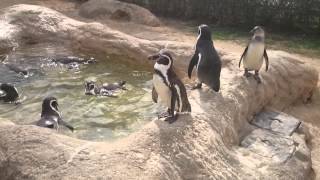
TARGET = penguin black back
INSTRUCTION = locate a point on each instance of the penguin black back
(10, 93)
(206, 60)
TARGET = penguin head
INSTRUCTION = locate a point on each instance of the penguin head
(91, 60)
(9, 92)
(204, 32)
(163, 59)
(50, 107)
(90, 87)
(257, 31)
(24, 73)
(122, 83)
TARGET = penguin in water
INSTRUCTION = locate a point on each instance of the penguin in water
(167, 87)
(50, 115)
(15, 68)
(206, 60)
(18, 70)
(73, 59)
(254, 54)
(8, 93)
(91, 88)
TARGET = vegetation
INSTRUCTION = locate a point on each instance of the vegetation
(304, 44)
(291, 15)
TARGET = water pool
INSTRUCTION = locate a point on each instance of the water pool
(95, 118)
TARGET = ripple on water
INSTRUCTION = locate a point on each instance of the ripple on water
(95, 118)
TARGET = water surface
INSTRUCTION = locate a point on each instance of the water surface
(95, 118)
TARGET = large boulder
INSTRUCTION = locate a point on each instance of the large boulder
(215, 141)
(118, 10)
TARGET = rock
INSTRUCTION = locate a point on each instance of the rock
(118, 10)
(202, 145)
(4, 122)
(277, 122)
(269, 145)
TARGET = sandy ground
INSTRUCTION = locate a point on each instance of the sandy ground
(183, 32)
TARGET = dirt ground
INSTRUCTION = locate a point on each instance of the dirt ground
(184, 32)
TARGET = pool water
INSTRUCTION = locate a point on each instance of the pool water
(94, 118)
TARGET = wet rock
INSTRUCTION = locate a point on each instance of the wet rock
(277, 122)
(118, 10)
(269, 145)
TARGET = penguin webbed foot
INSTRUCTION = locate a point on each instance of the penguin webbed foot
(257, 77)
(247, 73)
(197, 86)
(163, 115)
(171, 119)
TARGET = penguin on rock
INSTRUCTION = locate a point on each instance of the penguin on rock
(206, 60)
(254, 54)
(168, 89)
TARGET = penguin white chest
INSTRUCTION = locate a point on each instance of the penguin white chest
(164, 93)
(253, 59)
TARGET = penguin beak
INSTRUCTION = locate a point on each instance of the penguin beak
(153, 57)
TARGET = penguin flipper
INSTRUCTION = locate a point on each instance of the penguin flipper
(265, 55)
(65, 124)
(174, 97)
(193, 62)
(154, 95)
(244, 53)
(172, 117)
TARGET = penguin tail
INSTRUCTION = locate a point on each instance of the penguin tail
(216, 86)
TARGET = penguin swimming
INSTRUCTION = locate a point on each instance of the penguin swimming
(206, 60)
(73, 59)
(167, 87)
(254, 53)
(50, 115)
(16, 69)
(8, 93)
(91, 88)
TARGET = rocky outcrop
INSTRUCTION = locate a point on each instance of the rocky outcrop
(118, 10)
(215, 141)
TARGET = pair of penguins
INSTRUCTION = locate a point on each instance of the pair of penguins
(50, 115)
(169, 90)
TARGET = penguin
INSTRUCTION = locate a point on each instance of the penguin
(206, 60)
(91, 88)
(254, 54)
(168, 89)
(8, 93)
(73, 60)
(50, 115)
(18, 70)
(15, 68)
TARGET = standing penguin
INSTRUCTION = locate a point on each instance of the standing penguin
(206, 60)
(167, 87)
(50, 115)
(254, 53)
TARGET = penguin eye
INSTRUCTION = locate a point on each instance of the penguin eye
(91, 86)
